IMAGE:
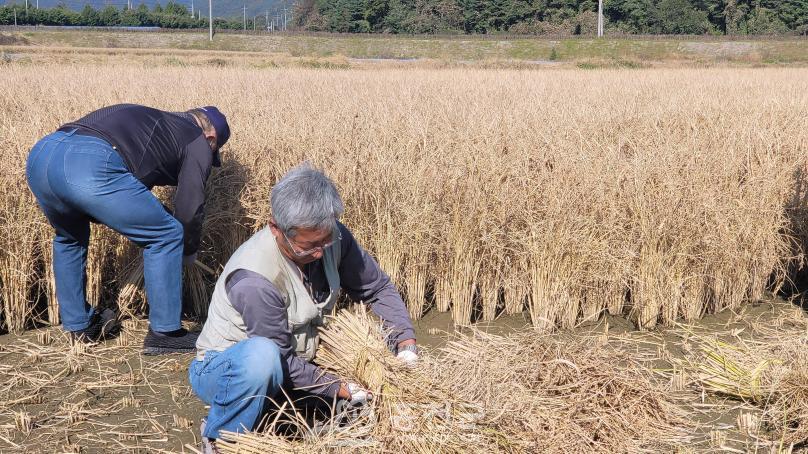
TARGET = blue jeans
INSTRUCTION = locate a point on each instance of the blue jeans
(76, 179)
(237, 384)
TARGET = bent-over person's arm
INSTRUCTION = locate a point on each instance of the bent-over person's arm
(189, 200)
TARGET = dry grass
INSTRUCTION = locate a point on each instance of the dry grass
(662, 194)
(411, 410)
(62, 397)
(522, 393)
(563, 395)
(770, 372)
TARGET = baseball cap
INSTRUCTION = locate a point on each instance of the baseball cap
(219, 122)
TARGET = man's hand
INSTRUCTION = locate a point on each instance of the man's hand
(359, 396)
(407, 356)
(407, 351)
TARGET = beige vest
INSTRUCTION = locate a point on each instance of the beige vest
(260, 254)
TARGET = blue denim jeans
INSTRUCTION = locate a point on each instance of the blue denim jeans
(237, 384)
(76, 179)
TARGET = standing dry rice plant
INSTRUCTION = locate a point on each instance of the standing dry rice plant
(19, 227)
(99, 262)
(665, 194)
(18, 271)
(48, 278)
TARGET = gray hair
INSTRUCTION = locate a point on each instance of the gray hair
(305, 198)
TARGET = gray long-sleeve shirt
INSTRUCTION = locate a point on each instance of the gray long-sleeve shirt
(262, 308)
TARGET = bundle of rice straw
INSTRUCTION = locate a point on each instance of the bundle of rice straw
(485, 393)
(771, 373)
(410, 411)
(563, 395)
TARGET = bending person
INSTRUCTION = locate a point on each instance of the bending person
(262, 326)
(101, 168)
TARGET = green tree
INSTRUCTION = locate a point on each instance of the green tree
(144, 16)
(175, 9)
(679, 17)
(130, 18)
(400, 13)
(109, 16)
(61, 15)
(89, 16)
(633, 16)
(496, 14)
(763, 21)
(793, 13)
(474, 20)
(375, 11)
(554, 16)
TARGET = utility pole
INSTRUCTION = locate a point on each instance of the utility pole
(245, 17)
(192, 9)
(284, 19)
(15, 15)
(37, 4)
(210, 20)
(26, 8)
(266, 20)
(254, 20)
(600, 18)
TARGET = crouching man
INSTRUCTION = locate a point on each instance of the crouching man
(271, 299)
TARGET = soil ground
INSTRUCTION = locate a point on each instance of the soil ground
(56, 397)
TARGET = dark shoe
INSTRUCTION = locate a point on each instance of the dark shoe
(179, 341)
(102, 326)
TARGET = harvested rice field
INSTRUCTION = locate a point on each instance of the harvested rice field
(596, 260)
(604, 387)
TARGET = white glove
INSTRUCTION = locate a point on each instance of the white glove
(407, 356)
(359, 395)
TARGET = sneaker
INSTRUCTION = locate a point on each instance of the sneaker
(102, 326)
(208, 444)
(179, 341)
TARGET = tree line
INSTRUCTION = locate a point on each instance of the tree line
(172, 15)
(555, 17)
(531, 17)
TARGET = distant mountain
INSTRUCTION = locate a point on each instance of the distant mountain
(221, 8)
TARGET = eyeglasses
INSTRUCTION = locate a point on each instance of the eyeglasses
(311, 251)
